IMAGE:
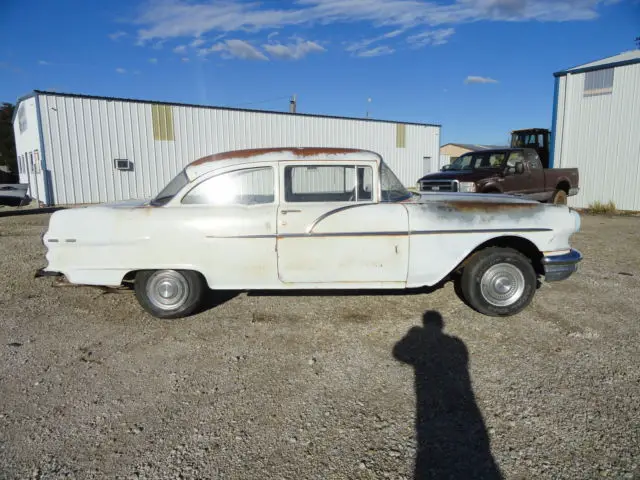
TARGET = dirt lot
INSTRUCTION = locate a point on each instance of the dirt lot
(298, 386)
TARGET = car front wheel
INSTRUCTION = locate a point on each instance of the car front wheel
(498, 281)
(169, 293)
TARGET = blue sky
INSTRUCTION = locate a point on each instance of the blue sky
(480, 68)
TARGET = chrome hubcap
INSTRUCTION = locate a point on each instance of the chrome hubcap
(167, 289)
(502, 285)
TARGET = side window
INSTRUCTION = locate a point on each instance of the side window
(533, 162)
(328, 183)
(514, 158)
(241, 187)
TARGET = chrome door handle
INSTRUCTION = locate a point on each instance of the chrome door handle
(284, 212)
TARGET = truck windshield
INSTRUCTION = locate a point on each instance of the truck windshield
(392, 188)
(170, 191)
(478, 160)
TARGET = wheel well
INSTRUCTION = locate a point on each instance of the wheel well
(130, 276)
(563, 185)
(522, 245)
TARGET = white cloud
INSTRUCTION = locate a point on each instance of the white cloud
(185, 59)
(168, 19)
(475, 79)
(362, 44)
(121, 70)
(43, 62)
(293, 51)
(180, 49)
(376, 52)
(183, 18)
(234, 48)
(244, 50)
(153, 60)
(430, 37)
(116, 35)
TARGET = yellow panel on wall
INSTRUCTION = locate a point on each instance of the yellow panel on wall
(401, 134)
(162, 117)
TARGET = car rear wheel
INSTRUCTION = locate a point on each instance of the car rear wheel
(498, 281)
(169, 293)
(559, 197)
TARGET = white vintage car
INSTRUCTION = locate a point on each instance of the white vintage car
(310, 218)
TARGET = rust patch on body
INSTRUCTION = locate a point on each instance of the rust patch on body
(488, 207)
(298, 151)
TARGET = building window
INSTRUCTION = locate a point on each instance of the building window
(123, 164)
(598, 82)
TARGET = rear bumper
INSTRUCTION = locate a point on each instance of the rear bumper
(561, 267)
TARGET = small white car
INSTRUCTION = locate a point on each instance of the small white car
(310, 218)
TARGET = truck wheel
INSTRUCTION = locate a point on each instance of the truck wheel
(169, 293)
(559, 197)
(498, 282)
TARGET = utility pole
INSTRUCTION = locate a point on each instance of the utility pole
(292, 104)
(638, 42)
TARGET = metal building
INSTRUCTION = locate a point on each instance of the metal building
(78, 149)
(596, 127)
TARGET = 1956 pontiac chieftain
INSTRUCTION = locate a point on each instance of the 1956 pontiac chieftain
(310, 218)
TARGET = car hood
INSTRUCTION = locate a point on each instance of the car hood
(464, 175)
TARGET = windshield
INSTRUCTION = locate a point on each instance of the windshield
(168, 192)
(478, 160)
(392, 189)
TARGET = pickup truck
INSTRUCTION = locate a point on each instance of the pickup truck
(514, 171)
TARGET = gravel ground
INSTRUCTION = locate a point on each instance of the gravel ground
(322, 386)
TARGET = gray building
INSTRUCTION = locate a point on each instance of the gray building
(79, 149)
(596, 127)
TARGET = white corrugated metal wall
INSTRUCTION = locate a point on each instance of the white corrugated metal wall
(83, 136)
(600, 134)
(27, 137)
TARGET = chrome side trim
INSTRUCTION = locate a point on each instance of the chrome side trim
(384, 233)
(479, 230)
(272, 235)
(315, 223)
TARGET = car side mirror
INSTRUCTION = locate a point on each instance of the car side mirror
(519, 168)
(445, 168)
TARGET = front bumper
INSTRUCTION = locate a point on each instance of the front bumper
(561, 267)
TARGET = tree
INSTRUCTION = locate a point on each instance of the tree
(7, 142)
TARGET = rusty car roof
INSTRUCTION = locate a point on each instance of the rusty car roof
(228, 158)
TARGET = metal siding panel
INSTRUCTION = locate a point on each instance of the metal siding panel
(116, 129)
(600, 138)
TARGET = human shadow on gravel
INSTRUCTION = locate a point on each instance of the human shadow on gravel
(453, 442)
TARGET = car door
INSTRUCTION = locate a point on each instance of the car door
(536, 186)
(515, 183)
(228, 227)
(332, 228)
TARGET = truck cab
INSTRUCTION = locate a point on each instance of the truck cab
(536, 138)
